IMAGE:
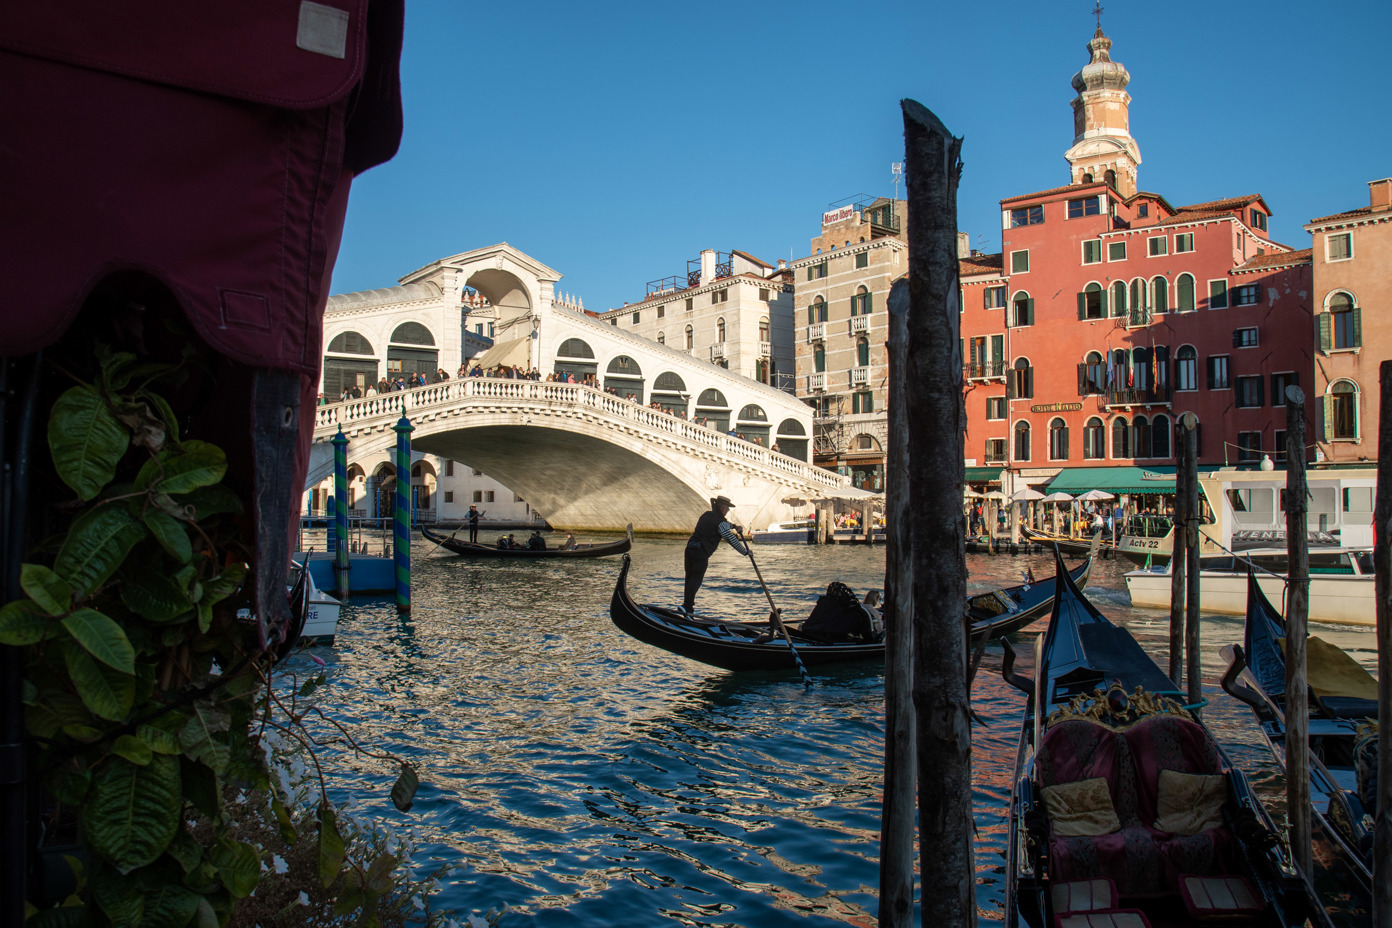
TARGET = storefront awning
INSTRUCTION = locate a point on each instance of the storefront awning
(983, 475)
(1132, 480)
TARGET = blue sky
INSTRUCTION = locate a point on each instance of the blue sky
(614, 141)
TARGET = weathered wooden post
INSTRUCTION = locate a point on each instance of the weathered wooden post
(1178, 560)
(343, 562)
(1297, 609)
(1192, 658)
(1382, 563)
(935, 433)
(897, 814)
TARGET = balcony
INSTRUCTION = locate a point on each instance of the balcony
(717, 351)
(765, 349)
(1135, 318)
(1138, 396)
(860, 376)
(816, 332)
(860, 325)
(816, 383)
(985, 370)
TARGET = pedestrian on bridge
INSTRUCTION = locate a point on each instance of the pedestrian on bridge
(710, 528)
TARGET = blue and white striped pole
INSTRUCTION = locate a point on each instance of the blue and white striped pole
(401, 518)
(342, 563)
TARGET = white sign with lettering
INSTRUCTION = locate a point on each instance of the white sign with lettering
(838, 215)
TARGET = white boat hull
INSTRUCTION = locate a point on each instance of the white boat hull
(321, 619)
(1340, 599)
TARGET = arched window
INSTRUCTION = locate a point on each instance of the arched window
(1141, 375)
(1094, 440)
(668, 382)
(1121, 435)
(690, 338)
(1186, 368)
(862, 352)
(1119, 298)
(791, 427)
(1160, 295)
(574, 348)
(1022, 441)
(1092, 302)
(819, 358)
(350, 343)
(1140, 432)
(713, 399)
(1087, 179)
(1110, 179)
(1120, 357)
(816, 311)
(720, 331)
(661, 338)
(753, 413)
(1160, 436)
(860, 302)
(1341, 410)
(1021, 309)
(1094, 374)
(763, 329)
(1184, 293)
(1342, 327)
(1140, 294)
(623, 365)
(1058, 439)
(1021, 385)
(412, 333)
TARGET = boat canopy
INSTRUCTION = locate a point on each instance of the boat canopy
(1131, 480)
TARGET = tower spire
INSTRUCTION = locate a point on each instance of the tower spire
(1103, 149)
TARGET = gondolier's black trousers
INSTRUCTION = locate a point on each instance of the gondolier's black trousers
(473, 533)
(696, 562)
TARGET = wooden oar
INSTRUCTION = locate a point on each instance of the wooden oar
(776, 616)
(439, 543)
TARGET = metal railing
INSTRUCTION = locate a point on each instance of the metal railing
(984, 370)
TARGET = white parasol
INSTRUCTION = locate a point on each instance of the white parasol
(1094, 495)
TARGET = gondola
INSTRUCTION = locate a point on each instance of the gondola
(1066, 544)
(1343, 746)
(470, 549)
(757, 646)
(1124, 803)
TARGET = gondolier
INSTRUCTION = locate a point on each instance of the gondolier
(474, 516)
(710, 528)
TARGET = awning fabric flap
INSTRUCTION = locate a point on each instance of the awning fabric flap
(511, 353)
(983, 474)
(1131, 480)
(849, 493)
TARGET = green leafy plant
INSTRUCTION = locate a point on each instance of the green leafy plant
(145, 694)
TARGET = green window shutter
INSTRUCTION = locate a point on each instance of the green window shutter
(998, 348)
(869, 303)
(1325, 331)
(1082, 380)
(1029, 310)
(1082, 305)
(1328, 416)
(1357, 327)
(1102, 295)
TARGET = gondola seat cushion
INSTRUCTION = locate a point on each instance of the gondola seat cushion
(1083, 896)
(1082, 808)
(1116, 918)
(1219, 898)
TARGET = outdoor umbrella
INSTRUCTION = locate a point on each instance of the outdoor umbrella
(1056, 497)
(1094, 495)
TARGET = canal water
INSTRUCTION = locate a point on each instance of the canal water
(579, 777)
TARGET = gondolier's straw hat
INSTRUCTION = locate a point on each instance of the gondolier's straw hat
(725, 500)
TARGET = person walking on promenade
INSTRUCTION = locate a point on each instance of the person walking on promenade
(474, 516)
(710, 528)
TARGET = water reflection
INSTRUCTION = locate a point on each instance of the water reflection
(584, 778)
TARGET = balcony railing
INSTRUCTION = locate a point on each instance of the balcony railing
(816, 332)
(985, 370)
(860, 325)
(1138, 396)
(765, 349)
(717, 351)
(1136, 317)
(860, 376)
(816, 382)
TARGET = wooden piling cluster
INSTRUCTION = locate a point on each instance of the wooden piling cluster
(1382, 566)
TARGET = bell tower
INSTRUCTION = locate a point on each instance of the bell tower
(1103, 149)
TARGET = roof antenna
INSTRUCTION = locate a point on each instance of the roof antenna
(897, 169)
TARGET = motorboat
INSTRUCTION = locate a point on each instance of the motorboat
(789, 532)
(470, 549)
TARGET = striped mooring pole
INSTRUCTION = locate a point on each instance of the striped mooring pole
(342, 562)
(401, 519)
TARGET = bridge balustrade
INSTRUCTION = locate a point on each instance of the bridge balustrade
(407, 402)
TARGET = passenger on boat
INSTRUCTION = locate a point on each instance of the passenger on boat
(503, 543)
(536, 542)
(710, 528)
(570, 544)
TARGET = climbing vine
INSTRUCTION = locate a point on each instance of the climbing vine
(145, 692)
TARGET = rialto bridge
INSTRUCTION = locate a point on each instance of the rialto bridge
(582, 457)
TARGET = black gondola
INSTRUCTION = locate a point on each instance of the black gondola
(470, 549)
(757, 646)
(1124, 803)
(1066, 544)
(1342, 701)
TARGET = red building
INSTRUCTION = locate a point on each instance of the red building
(1110, 312)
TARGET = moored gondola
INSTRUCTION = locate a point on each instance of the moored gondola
(1066, 543)
(758, 646)
(1124, 807)
(470, 549)
(1342, 703)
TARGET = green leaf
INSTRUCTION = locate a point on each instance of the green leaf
(133, 750)
(331, 849)
(46, 588)
(170, 533)
(403, 791)
(196, 464)
(21, 623)
(312, 684)
(185, 850)
(200, 736)
(283, 820)
(108, 693)
(134, 811)
(52, 710)
(159, 740)
(170, 906)
(238, 864)
(62, 917)
(201, 787)
(224, 584)
(380, 872)
(102, 638)
(156, 597)
(212, 501)
(69, 783)
(349, 895)
(86, 441)
(119, 897)
(96, 545)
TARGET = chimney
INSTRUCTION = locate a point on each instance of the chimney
(963, 245)
(1380, 194)
(782, 264)
(707, 266)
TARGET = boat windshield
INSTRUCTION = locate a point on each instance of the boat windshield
(1148, 526)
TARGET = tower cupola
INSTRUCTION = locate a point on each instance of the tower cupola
(1103, 149)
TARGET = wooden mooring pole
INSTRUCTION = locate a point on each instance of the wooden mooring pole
(1192, 659)
(1297, 610)
(933, 366)
(1183, 516)
(1382, 566)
